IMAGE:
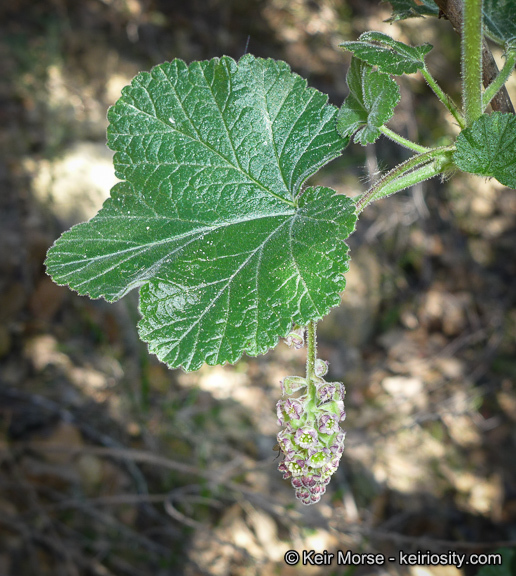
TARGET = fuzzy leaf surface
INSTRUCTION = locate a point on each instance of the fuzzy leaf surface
(210, 222)
(488, 148)
(369, 105)
(500, 20)
(387, 54)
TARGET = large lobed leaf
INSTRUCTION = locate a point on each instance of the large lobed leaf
(369, 105)
(210, 221)
(488, 148)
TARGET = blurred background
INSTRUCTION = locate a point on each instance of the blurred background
(111, 464)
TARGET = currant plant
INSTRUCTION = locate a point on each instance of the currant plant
(213, 224)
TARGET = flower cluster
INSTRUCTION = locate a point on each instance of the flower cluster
(311, 440)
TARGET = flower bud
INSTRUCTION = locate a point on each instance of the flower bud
(286, 445)
(326, 392)
(321, 367)
(296, 338)
(291, 384)
(292, 409)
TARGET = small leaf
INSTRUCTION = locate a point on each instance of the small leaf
(389, 55)
(369, 105)
(210, 222)
(403, 9)
(488, 148)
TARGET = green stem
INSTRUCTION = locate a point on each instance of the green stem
(492, 90)
(443, 97)
(311, 354)
(414, 170)
(403, 141)
(311, 357)
(472, 60)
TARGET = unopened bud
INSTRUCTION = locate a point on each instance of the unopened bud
(291, 384)
(321, 367)
(296, 338)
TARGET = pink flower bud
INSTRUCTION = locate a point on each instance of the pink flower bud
(296, 338)
(321, 367)
(293, 408)
(326, 392)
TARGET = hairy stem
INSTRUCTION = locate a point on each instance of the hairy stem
(501, 101)
(472, 60)
(492, 90)
(311, 357)
(414, 170)
(443, 97)
(452, 10)
(403, 141)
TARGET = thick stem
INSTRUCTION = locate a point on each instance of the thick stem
(443, 97)
(402, 141)
(492, 90)
(452, 10)
(472, 60)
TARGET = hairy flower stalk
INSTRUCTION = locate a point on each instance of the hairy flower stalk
(311, 439)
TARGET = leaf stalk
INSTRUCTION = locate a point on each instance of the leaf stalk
(443, 97)
(403, 141)
(492, 90)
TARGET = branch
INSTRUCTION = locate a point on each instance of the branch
(452, 10)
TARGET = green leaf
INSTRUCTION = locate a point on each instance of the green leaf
(369, 105)
(488, 148)
(389, 55)
(403, 9)
(210, 221)
(499, 20)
